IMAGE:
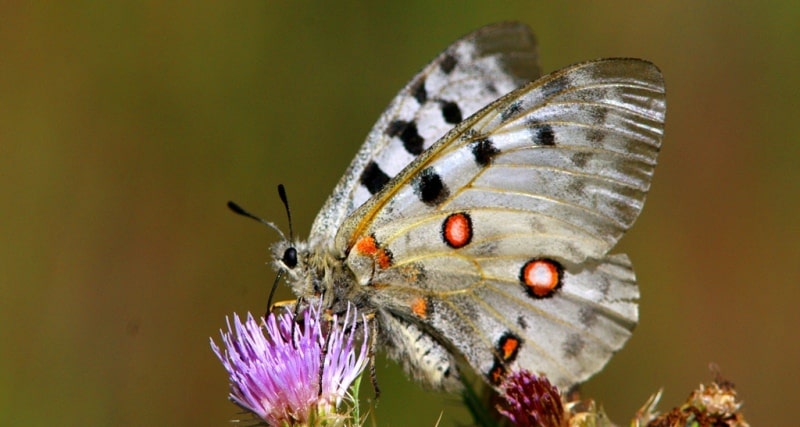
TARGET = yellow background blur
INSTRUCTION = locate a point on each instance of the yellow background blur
(124, 130)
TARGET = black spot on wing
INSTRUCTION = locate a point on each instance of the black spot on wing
(588, 316)
(510, 111)
(448, 64)
(598, 115)
(581, 158)
(419, 92)
(603, 285)
(484, 151)
(573, 346)
(451, 112)
(555, 86)
(595, 135)
(542, 134)
(374, 178)
(578, 187)
(408, 134)
(430, 189)
(396, 127)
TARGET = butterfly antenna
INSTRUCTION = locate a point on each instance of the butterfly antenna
(239, 210)
(282, 194)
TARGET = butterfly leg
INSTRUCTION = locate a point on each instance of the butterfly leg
(373, 344)
(296, 310)
(293, 305)
(288, 304)
(324, 353)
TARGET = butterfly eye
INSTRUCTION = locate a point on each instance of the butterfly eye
(290, 257)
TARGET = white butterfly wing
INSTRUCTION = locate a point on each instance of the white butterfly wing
(467, 76)
(495, 240)
(575, 149)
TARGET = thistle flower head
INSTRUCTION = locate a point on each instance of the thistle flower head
(529, 400)
(274, 366)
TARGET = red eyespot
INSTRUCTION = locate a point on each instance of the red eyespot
(457, 230)
(541, 277)
(507, 347)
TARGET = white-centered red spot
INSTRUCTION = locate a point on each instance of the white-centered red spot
(457, 230)
(541, 277)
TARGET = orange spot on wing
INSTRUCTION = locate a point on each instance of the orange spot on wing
(510, 347)
(420, 307)
(497, 374)
(367, 245)
(383, 258)
(507, 347)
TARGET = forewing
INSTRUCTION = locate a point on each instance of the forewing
(474, 71)
(570, 156)
(495, 239)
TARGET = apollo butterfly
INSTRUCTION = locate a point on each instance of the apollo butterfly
(474, 224)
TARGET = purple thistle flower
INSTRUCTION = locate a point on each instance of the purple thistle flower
(276, 376)
(532, 401)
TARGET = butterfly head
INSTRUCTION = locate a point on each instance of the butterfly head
(301, 269)
(290, 258)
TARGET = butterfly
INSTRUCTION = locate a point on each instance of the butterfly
(474, 225)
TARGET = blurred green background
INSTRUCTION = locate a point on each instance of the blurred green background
(125, 128)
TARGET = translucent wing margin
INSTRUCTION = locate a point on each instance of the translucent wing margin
(474, 71)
